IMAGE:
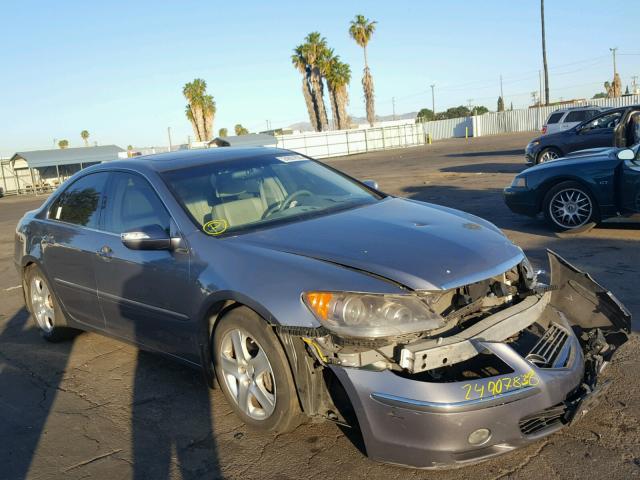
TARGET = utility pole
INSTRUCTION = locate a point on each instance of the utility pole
(544, 56)
(540, 87)
(615, 70)
(634, 78)
(501, 94)
(169, 135)
(433, 99)
(470, 103)
(393, 103)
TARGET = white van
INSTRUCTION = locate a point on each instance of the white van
(565, 118)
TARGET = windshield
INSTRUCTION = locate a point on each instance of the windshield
(245, 193)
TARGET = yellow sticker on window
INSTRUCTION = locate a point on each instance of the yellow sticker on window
(215, 227)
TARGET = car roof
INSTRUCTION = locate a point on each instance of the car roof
(163, 162)
(583, 107)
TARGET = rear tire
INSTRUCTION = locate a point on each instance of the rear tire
(546, 154)
(570, 206)
(253, 372)
(44, 307)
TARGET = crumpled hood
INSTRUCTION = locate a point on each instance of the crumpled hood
(421, 246)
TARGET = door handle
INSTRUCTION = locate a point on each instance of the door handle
(105, 252)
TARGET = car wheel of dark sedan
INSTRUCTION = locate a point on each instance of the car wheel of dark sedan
(548, 154)
(569, 205)
(44, 306)
(253, 371)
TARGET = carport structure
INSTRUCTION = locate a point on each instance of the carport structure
(44, 170)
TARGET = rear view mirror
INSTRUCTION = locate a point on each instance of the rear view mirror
(626, 154)
(150, 237)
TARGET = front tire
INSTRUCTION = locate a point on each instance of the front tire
(44, 307)
(547, 154)
(569, 206)
(253, 372)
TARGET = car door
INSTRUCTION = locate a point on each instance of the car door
(70, 245)
(142, 292)
(597, 132)
(629, 185)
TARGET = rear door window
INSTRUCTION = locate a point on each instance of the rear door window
(577, 116)
(555, 117)
(80, 203)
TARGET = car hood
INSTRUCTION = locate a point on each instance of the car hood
(418, 245)
(577, 157)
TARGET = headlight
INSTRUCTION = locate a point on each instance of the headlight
(372, 315)
(534, 143)
(519, 182)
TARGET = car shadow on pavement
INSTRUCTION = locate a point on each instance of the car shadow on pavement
(492, 153)
(30, 378)
(492, 167)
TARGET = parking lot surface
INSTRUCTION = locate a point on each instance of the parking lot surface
(97, 408)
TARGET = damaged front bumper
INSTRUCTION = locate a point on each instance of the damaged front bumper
(534, 369)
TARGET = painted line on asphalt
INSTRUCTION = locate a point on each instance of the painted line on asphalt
(12, 288)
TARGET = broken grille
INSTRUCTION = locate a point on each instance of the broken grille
(543, 420)
(551, 351)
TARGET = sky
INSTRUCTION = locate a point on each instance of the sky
(117, 68)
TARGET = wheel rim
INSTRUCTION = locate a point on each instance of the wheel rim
(42, 304)
(548, 155)
(248, 374)
(570, 208)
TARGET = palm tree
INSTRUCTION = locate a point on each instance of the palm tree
(200, 110)
(315, 51)
(63, 144)
(299, 61)
(85, 137)
(338, 76)
(361, 30)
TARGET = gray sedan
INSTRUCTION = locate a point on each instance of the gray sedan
(303, 293)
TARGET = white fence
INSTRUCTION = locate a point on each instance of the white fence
(528, 119)
(347, 142)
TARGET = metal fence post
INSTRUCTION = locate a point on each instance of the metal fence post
(384, 146)
(366, 140)
(348, 151)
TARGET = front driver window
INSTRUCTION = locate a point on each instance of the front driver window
(609, 120)
(132, 203)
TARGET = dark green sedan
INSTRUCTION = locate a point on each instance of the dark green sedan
(580, 189)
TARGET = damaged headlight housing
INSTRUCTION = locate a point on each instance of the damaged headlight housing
(370, 315)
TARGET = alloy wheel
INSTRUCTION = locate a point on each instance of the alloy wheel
(248, 374)
(548, 155)
(42, 304)
(570, 208)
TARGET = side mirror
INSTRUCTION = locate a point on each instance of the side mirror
(371, 184)
(150, 237)
(626, 154)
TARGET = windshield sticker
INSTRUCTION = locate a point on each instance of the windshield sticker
(291, 158)
(215, 227)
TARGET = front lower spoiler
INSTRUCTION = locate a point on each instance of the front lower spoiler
(427, 424)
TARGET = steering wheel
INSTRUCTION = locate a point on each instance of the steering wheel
(278, 207)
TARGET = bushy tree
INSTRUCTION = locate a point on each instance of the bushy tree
(500, 104)
(63, 144)
(425, 115)
(240, 130)
(223, 132)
